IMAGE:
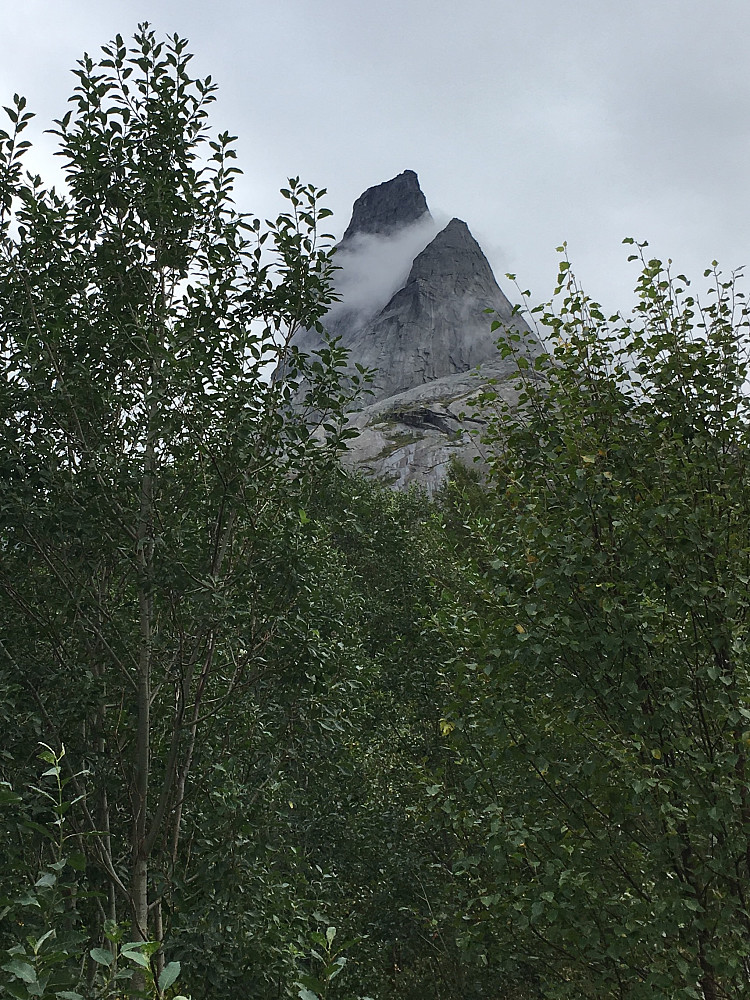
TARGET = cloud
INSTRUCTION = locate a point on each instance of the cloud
(374, 267)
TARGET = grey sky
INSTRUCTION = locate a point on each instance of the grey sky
(533, 120)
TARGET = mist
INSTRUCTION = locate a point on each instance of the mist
(373, 268)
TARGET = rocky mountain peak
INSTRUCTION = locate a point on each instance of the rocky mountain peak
(453, 259)
(436, 324)
(414, 310)
(386, 207)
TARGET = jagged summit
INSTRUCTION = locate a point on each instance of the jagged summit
(453, 257)
(385, 207)
(435, 324)
(414, 310)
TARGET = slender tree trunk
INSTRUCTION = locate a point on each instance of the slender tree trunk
(104, 835)
(708, 982)
(159, 936)
(142, 765)
(142, 762)
(139, 876)
(708, 985)
(106, 844)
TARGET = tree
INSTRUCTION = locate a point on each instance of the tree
(152, 472)
(602, 676)
(317, 817)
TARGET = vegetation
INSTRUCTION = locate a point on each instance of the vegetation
(274, 731)
(602, 681)
(153, 475)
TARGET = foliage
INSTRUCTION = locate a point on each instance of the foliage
(227, 636)
(317, 739)
(329, 957)
(313, 818)
(601, 676)
(50, 962)
(41, 960)
(153, 472)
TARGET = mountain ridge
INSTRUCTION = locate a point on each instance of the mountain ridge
(429, 345)
(388, 206)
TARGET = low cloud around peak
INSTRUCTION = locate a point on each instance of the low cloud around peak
(374, 267)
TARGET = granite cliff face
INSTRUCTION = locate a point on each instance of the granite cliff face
(436, 325)
(413, 309)
(386, 207)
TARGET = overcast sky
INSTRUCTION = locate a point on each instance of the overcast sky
(535, 121)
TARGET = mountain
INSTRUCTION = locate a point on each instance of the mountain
(387, 207)
(414, 309)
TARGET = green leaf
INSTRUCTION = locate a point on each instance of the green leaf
(7, 795)
(138, 957)
(21, 970)
(45, 937)
(129, 946)
(22, 992)
(169, 974)
(101, 956)
(304, 994)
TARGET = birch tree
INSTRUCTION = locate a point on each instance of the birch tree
(152, 470)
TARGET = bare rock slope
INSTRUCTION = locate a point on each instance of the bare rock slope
(428, 339)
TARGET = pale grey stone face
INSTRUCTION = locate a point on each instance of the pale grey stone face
(412, 437)
(392, 205)
(429, 342)
(436, 325)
